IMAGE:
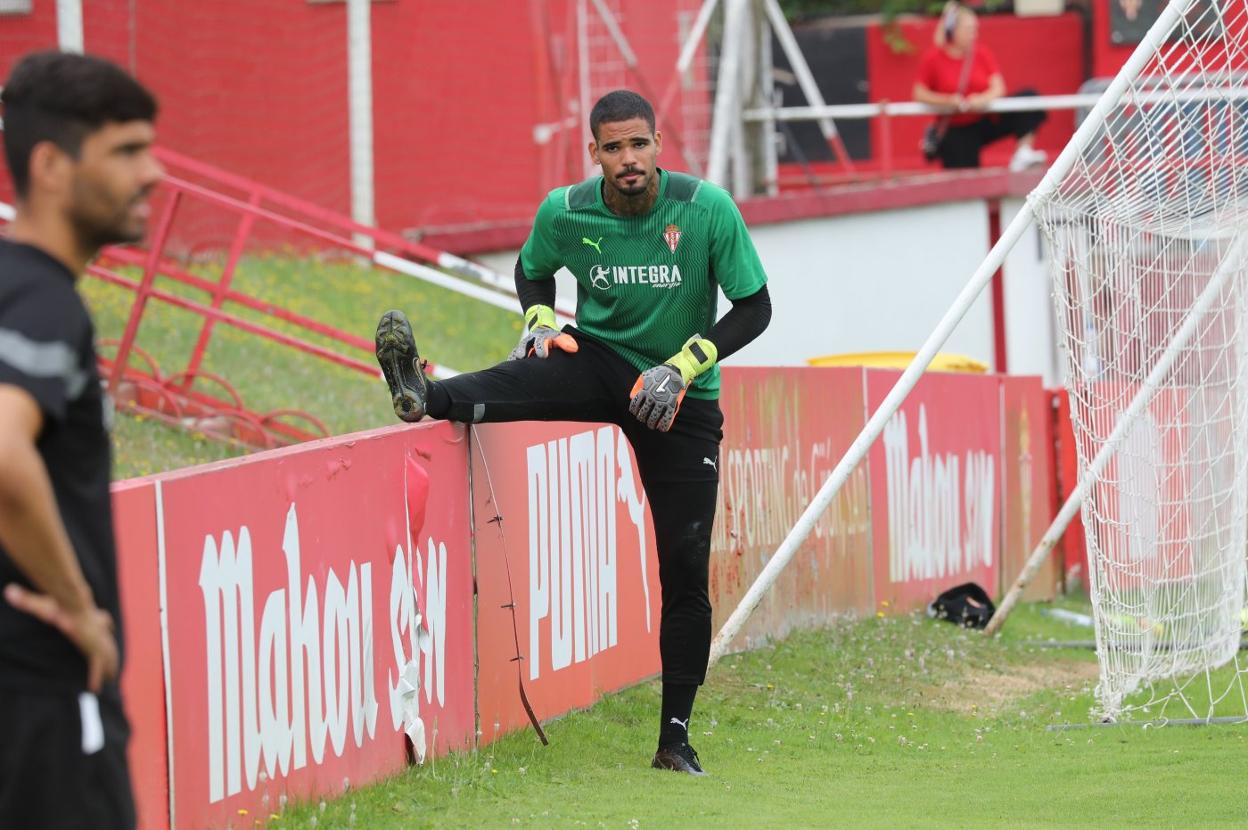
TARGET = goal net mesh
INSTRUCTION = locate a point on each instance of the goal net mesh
(1147, 247)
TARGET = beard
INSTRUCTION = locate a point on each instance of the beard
(643, 184)
(98, 222)
(631, 200)
(95, 233)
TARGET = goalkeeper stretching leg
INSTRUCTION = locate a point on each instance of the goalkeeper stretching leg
(561, 387)
(679, 471)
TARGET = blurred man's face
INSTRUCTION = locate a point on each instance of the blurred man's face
(965, 30)
(628, 152)
(111, 181)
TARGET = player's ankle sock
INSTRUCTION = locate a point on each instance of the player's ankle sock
(438, 402)
(676, 709)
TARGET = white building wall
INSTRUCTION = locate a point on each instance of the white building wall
(1030, 328)
(875, 281)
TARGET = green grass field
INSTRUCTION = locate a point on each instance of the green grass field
(461, 333)
(885, 722)
(892, 722)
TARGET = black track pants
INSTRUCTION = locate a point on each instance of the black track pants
(679, 469)
(960, 147)
(63, 768)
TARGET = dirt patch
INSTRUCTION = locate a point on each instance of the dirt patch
(989, 693)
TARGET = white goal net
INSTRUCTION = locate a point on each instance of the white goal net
(1148, 236)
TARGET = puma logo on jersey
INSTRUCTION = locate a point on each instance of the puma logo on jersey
(597, 246)
(710, 463)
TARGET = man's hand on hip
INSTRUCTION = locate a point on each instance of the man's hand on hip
(91, 630)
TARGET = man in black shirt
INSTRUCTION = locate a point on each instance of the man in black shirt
(77, 137)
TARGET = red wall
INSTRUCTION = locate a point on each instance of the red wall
(454, 113)
(255, 86)
(458, 96)
(22, 33)
(259, 88)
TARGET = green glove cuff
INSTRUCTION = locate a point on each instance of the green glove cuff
(540, 315)
(537, 316)
(698, 355)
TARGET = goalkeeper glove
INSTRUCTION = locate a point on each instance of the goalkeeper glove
(658, 392)
(541, 335)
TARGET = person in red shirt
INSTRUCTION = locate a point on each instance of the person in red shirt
(961, 75)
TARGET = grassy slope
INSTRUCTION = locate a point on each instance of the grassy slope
(897, 722)
(451, 329)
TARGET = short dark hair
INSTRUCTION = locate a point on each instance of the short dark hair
(63, 97)
(620, 105)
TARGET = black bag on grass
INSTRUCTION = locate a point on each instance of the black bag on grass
(967, 605)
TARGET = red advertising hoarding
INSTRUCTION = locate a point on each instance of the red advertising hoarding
(574, 552)
(1073, 546)
(784, 431)
(1028, 495)
(313, 619)
(1160, 504)
(935, 487)
(142, 677)
(319, 600)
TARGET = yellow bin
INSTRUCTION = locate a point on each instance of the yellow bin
(943, 362)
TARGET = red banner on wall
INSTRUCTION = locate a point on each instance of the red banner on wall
(311, 623)
(1139, 510)
(784, 431)
(319, 599)
(1073, 547)
(935, 487)
(574, 552)
(142, 680)
(1028, 493)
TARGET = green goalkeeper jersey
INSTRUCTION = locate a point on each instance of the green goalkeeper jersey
(646, 284)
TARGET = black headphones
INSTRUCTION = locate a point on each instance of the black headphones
(951, 21)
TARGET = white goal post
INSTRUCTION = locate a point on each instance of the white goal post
(1070, 155)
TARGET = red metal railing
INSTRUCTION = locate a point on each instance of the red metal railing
(202, 401)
